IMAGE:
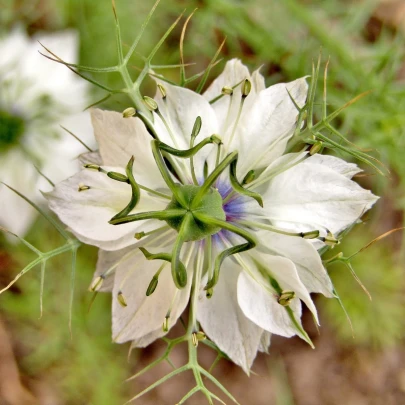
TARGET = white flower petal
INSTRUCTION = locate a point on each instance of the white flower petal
(180, 109)
(315, 194)
(224, 322)
(258, 81)
(145, 315)
(87, 213)
(265, 341)
(266, 127)
(338, 165)
(234, 73)
(305, 258)
(120, 138)
(262, 307)
(285, 273)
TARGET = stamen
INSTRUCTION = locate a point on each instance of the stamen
(83, 187)
(121, 299)
(140, 235)
(97, 283)
(250, 176)
(129, 112)
(194, 134)
(155, 280)
(285, 298)
(246, 87)
(316, 147)
(162, 91)
(305, 235)
(150, 103)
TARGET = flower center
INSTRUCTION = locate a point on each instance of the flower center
(11, 129)
(209, 205)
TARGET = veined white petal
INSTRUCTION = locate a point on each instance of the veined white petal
(261, 307)
(144, 315)
(120, 138)
(87, 212)
(283, 270)
(226, 108)
(258, 81)
(224, 322)
(315, 194)
(17, 171)
(338, 165)
(266, 127)
(304, 256)
(180, 109)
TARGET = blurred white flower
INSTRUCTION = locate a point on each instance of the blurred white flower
(36, 97)
(258, 262)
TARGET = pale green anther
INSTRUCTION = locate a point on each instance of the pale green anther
(194, 339)
(152, 286)
(250, 176)
(118, 176)
(330, 240)
(285, 298)
(310, 234)
(139, 235)
(227, 91)
(216, 139)
(246, 88)
(129, 112)
(201, 336)
(315, 148)
(83, 187)
(196, 127)
(162, 90)
(92, 167)
(97, 283)
(165, 326)
(150, 103)
(121, 299)
(209, 292)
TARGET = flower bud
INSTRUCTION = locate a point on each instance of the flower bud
(285, 298)
(129, 112)
(121, 299)
(150, 103)
(246, 88)
(227, 91)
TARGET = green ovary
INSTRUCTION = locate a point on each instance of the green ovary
(11, 129)
(209, 205)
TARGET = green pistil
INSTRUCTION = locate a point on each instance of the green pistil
(12, 128)
(210, 205)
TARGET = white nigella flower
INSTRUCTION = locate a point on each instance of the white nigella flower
(36, 96)
(219, 213)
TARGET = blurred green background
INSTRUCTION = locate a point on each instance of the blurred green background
(365, 43)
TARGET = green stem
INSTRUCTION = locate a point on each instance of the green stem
(159, 215)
